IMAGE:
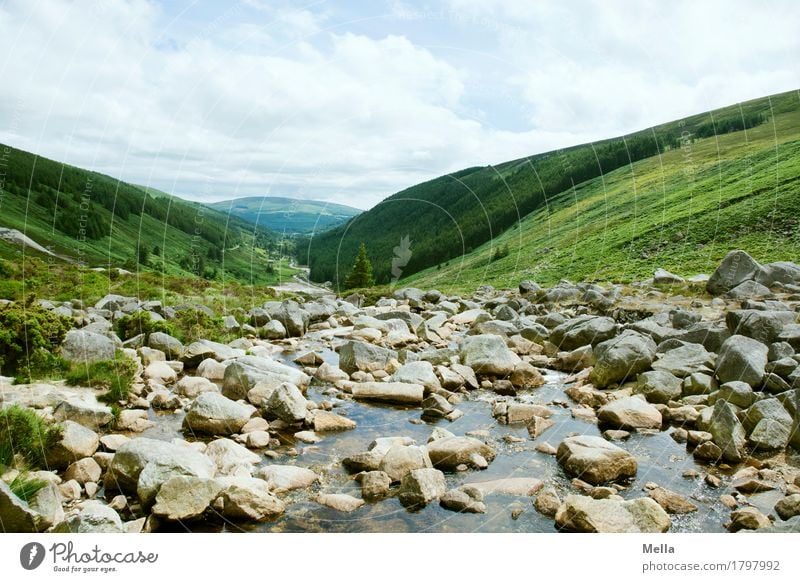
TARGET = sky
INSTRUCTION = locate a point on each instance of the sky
(351, 101)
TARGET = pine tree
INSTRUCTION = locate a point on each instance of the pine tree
(361, 275)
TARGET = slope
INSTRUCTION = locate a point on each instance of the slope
(288, 215)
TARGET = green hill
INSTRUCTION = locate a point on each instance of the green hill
(288, 215)
(96, 220)
(677, 195)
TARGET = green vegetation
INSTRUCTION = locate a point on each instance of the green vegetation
(361, 273)
(129, 326)
(29, 340)
(25, 435)
(288, 215)
(188, 325)
(114, 376)
(26, 487)
(97, 220)
(525, 202)
(682, 210)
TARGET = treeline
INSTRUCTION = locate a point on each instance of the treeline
(452, 215)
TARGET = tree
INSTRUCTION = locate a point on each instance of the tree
(156, 251)
(144, 254)
(361, 275)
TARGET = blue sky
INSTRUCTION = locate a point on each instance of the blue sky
(352, 101)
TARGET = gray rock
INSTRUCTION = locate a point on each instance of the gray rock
(581, 331)
(461, 501)
(281, 478)
(580, 513)
(248, 499)
(595, 460)
(658, 386)
(396, 392)
(243, 374)
(737, 393)
(421, 486)
(685, 360)
(736, 268)
(287, 403)
(399, 460)
(488, 355)
(629, 413)
(212, 413)
(768, 408)
(340, 502)
(769, 434)
(86, 347)
(89, 414)
(448, 453)
(76, 442)
(294, 318)
(418, 373)
(356, 355)
(272, 330)
(727, 432)
(231, 458)
(747, 290)
(183, 498)
(622, 358)
(748, 518)
(94, 517)
(763, 326)
(742, 358)
(375, 485)
(664, 277)
(172, 347)
(788, 507)
(697, 384)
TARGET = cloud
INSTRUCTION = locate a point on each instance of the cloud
(256, 98)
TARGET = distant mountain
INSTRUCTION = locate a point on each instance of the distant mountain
(288, 214)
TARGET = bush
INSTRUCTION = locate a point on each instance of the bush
(113, 376)
(23, 432)
(30, 337)
(26, 487)
(129, 326)
(191, 325)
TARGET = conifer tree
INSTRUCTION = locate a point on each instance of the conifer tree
(361, 275)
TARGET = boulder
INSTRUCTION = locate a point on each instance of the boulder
(231, 458)
(375, 485)
(246, 372)
(465, 500)
(183, 498)
(421, 486)
(581, 331)
(360, 356)
(736, 268)
(248, 499)
(727, 432)
(579, 513)
(595, 460)
(340, 502)
(86, 347)
(621, 358)
(450, 452)
(742, 359)
(211, 413)
(399, 460)
(287, 403)
(282, 478)
(420, 372)
(395, 392)
(763, 326)
(90, 414)
(84, 471)
(788, 507)
(769, 434)
(76, 442)
(488, 355)
(658, 387)
(737, 393)
(172, 347)
(93, 517)
(629, 413)
(324, 421)
(685, 360)
(768, 408)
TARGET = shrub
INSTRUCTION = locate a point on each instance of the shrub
(30, 337)
(129, 326)
(191, 325)
(113, 376)
(26, 487)
(24, 433)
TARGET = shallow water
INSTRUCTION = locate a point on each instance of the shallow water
(660, 458)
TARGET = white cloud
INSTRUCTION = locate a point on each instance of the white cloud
(259, 98)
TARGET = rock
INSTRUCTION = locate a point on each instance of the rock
(340, 502)
(519, 486)
(788, 507)
(581, 331)
(748, 518)
(172, 347)
(133, 420)
(272, 330)
(287, 403)
(210, 369)
(89, 414)
(243, 374)
(708, 451)
(436, 406)
(537, 425)
(621, 358)
(193, 386)
(630, 413)
(595, 460)
(281, 478)
(84, 471)
(737, 393)
(355, 355)
(399, 460)
(763, 326)
(748, 290)
(185, 498)
(488, 355)
(198, 352)
(292, 316)
(736, 268)
(418, 373)
(94, 517)
(769, 434)
(547, 502)
(742, 359)
(331, 374)
(664, 277)
(460, 500)
(375, 485)
(579, 513)
(448, 453)
(421, 486)
(248, 499)
(672, 502)
(699, 384)
(526, 376)
(727, 432)
(324, 421)
(396, 392)
(211, 413)
(76, 442)
(231, 458)
(682, 361)
(770, 408)
(86, 347)
(15, 515)
(161, 372)
(158, 460)
(658, 387)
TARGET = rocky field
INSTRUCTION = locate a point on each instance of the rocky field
(669, 405)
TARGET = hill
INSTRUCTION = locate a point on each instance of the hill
(288, 215)
(97, 220)
(676, 194)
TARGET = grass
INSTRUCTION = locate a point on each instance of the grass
(683, 211)
(23, 433)
(26, 487)
(115, 377)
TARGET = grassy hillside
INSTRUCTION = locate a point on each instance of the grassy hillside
(629, 188)
(682, 210)
(99, 221)
(287, 215)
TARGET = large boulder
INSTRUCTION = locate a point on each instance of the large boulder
(736, 268)
(231, 458)
(727, 432)
(742, 359)
(580, 513)
(248, 499)
(281, 478)
(399, 460)
(93, 517)
(293, 317)
(450, 452)
(421, 486)
(243, 374)
(419, 372)
(86, 347)
(488, 355)
(622, 358)
(395, 392)
(595, 460)
(763, 326)
(76, 442)
(685, 360)
(211, 413)
(629, 413)
(360, 356)
(658, 387)
(171, 346)
(183, 498)
(88, 413)
(581, 331)
(287, 403)
(196, 352)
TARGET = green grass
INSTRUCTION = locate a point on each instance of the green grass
(683, 211)
(24, 433)
(26, 487)
(115, 377)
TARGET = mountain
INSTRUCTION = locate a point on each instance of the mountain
(287, 215)
(93, 219)
(677, 194)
